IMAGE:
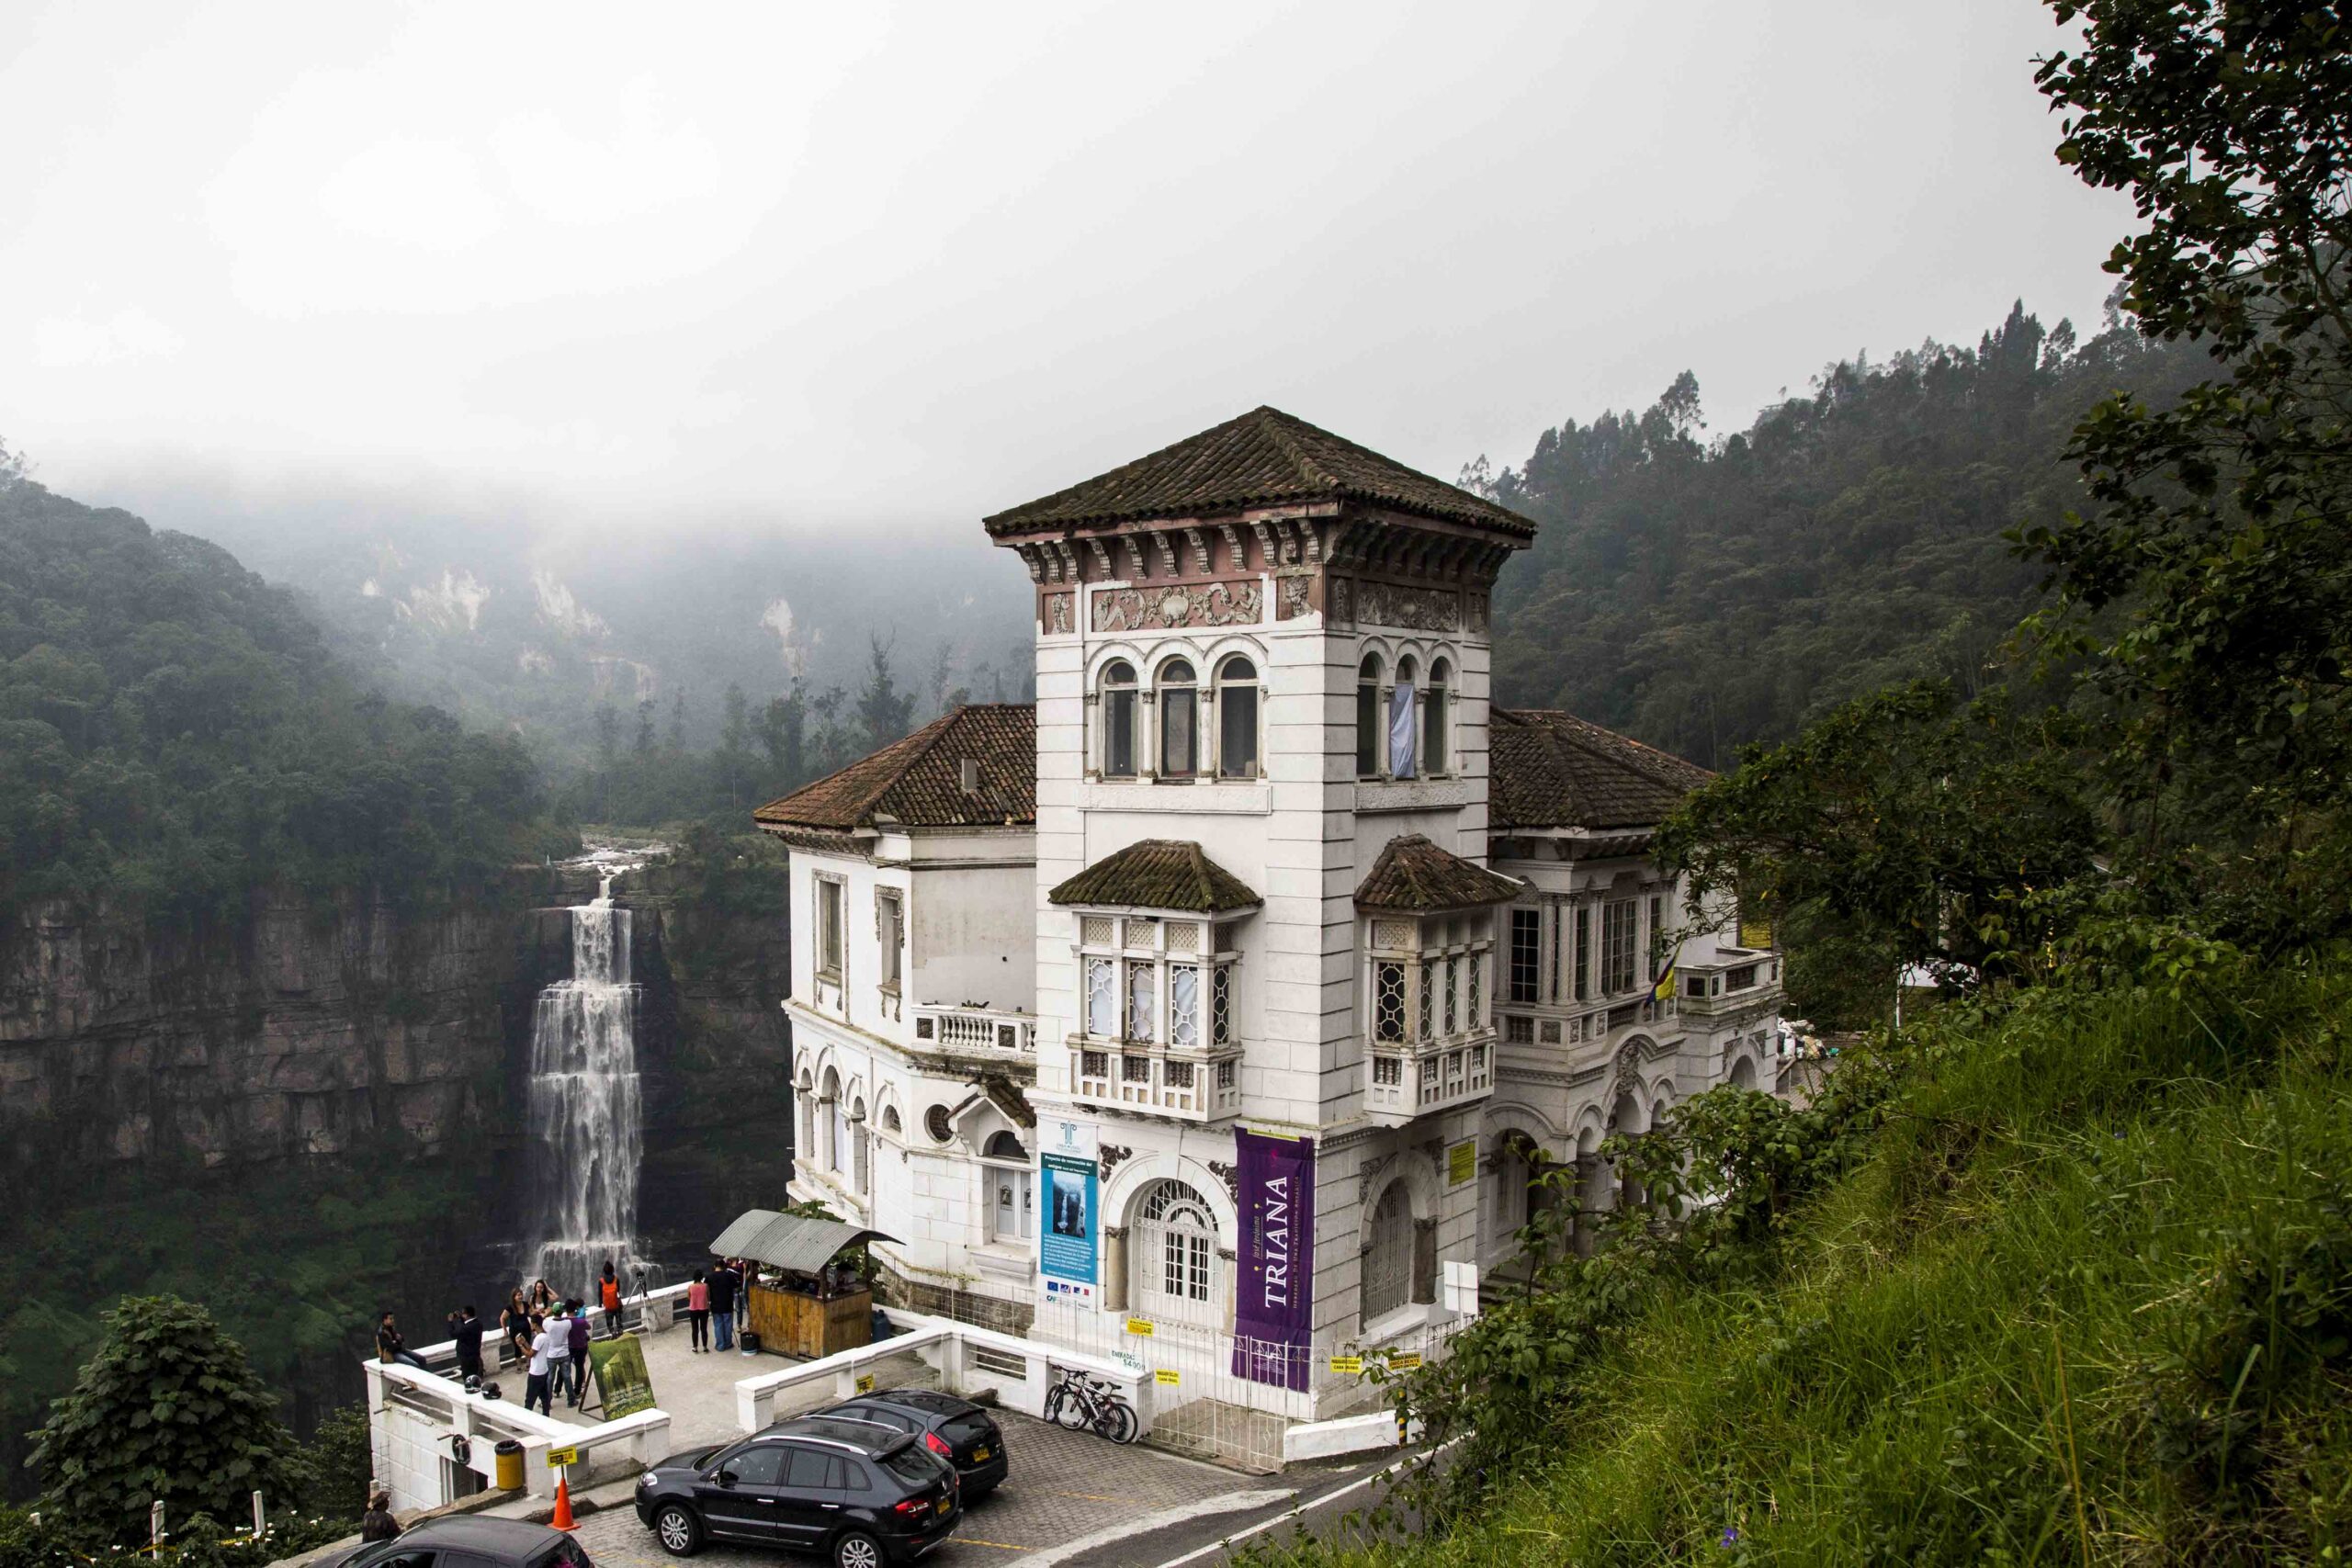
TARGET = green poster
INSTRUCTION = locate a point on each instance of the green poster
(622, 1382)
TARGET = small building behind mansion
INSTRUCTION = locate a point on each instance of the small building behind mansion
(1240, 982)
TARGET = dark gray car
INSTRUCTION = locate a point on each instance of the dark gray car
(467, 1540)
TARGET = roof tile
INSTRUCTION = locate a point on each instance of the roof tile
(1552, 770)
(1264, 457)
(1158, 874)
(918, 782)
(1415, 875)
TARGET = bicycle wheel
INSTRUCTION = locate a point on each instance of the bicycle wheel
(1055, 1400)
(1077, 1412)
(1128, 1424)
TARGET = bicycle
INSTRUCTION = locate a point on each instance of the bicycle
(1079, 1401)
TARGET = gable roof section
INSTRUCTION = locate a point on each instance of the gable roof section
(1550, 769)
(1414, 874)
(918, 780)
(1264, 457)
(1158, 874)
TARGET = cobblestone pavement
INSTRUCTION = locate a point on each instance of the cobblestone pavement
(1063, 1485)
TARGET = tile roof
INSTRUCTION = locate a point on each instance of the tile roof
(1158, 874)
(1550, 769)
(919, 780)
(1264, 457)
(1413, 873)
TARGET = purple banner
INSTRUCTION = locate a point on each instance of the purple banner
(1273, 1313)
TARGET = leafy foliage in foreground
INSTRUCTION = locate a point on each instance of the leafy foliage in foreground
(2068, 1279)
(173, 731)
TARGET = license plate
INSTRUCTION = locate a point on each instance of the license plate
(979, 1455)
(944, 1504)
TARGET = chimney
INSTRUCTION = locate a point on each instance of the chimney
(971, 775)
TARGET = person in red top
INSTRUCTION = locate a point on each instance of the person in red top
(698, 1311)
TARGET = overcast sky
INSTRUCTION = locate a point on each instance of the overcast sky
(851, 263)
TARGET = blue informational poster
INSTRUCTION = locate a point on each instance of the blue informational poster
(1068, 1254)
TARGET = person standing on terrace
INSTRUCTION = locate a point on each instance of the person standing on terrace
(698, 1311)
(722, 1306)
(608, 1296)
(535, 1383)
(578, 1365)
(465, 1332)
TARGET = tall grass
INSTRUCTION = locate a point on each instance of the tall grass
(2085, 1297)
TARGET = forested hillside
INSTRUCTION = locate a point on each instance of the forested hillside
(1702, 593)
(173, 731)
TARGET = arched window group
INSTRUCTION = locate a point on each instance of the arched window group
(1404, 726)
(1162, 730)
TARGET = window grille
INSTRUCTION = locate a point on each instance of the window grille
(1584, 954)
(1476, 1016)
(1526, 953)
(1143, 931)
(1392, 933)
(1452, 986)
(1183, 936)
(1519, 1030)
(1428, 1000)
(1102, 998)
(1228, 937)
(1141, 995)
(1221, 1005)
(1184, 1006)
(1388, 1001)
(1098, 931)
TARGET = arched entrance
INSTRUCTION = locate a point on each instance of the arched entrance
(1174, 1270)
(1387, 1267)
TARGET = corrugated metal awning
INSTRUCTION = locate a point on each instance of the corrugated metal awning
(799, 1243)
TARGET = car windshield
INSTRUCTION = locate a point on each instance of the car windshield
(913, 1464)
(564, 1554)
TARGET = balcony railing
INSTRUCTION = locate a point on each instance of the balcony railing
(1197, 1087)
(976, 1028)
(1402, 1083)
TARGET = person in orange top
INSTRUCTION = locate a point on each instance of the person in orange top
(608, 1290)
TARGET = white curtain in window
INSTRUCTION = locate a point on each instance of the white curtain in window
(1102, 998)
(1400, 731)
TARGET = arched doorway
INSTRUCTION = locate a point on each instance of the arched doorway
(1743, 1073)
(1388, 1278)
(1174, 1270)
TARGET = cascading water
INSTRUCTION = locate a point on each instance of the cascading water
(585, 1112)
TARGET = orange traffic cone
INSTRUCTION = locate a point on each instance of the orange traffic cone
(563, 1519)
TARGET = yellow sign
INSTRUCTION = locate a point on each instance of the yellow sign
(1461, 1162)
(865, 1383)
(1405, 1361)
(1139, 1326)
(1347, 1363)
(1755, 932)
(559, 1457)
(1165, 1376)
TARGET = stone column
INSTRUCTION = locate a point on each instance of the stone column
(1115, 1268)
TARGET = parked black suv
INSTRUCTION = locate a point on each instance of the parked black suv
(861, 1493)
(956, 1429)
(466, 1540)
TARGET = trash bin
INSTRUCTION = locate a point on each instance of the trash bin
(748, 1342)
(509, 1464)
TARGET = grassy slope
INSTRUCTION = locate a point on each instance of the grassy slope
(2141, 1190)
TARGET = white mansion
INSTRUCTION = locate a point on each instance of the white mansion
(1235, 983)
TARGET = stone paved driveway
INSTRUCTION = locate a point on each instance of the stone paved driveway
(1063, 1485)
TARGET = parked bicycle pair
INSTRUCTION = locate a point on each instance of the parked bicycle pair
(1082, 1402)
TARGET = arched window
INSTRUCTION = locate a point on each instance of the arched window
(836, 1123)
(1180, 721)
(1012, 1198)
(1236, 718)
(1370, 746)
(1401, 736)
(1173, 1269)
(1388, 1255)
(805, 1146)
(890, 1120)
(1118, 689)
(1435, 758)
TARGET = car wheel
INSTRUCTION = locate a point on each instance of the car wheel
(677, 1531)
(857, 1550)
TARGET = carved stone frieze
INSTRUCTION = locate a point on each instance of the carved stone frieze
(1058, 617)
(1295, 598)
(1342, 597)
(1111, 1155)
(1226, 1173)
(1422, 609)
(1154, 609)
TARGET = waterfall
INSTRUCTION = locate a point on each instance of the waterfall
(586, 1122)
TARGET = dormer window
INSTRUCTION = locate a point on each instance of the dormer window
(1236, 718)
(1118, 689)
(1179, 720)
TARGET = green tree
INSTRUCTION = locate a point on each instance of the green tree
(170, 1411)
(2209, 584)
(886, 711)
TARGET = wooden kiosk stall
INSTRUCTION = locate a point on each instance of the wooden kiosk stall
(805, 1300)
